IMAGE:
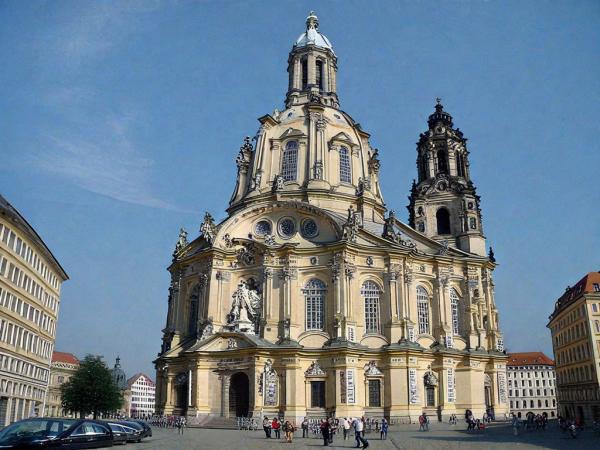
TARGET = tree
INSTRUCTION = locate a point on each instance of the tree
(91, 389)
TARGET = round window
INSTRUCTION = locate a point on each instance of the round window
(287, 227)
(262, 228)
(309, 228)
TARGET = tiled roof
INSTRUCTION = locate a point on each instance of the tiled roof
(571, 294)
(64, 357)
(528, 359)
(134, 378)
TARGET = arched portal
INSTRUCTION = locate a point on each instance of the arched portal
(239, 395)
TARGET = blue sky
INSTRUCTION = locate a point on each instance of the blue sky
(120, 122)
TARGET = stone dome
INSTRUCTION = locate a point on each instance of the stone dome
(312, 35)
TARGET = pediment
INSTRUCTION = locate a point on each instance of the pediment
(227, 341)
(292, 132)
(342, 138)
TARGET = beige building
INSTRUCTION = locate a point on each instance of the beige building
(531, 384)
(311, 298)
(64, 365)
(575, 328)
(30, 283)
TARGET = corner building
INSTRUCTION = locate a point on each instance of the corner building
(30, 284)
(575, 328)
(310, 299)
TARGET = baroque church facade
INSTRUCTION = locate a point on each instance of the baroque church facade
(311, 299)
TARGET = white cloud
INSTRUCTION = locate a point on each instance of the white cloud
(105, 162)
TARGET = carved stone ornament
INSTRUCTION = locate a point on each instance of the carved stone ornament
(245, 311)
(364, 184)
(208, 228)
(243, 158)
(278, 183)
(430, 379)
(391, 234)
(267, 384)
(335, 267)
(374, 163)
(270, 240)
(314, 370)
(206, 329)
(444, 249)
(232, 344)
(181, 243)
(352, 225)
(369, 261)
(371, 369)
(246, 255)
(228, 240)
(318, 170)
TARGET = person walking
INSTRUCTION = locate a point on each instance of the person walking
(276, 425)
(288, 429)
(304, 426)
(267, 427)
(332, 429)
(423, 422)
(384, 429)
(359, 429)
(345, 427)
(325, 431)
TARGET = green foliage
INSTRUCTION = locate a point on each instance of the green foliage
(91, 389)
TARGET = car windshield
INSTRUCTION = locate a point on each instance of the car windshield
(115, 427)
(34, 429)
(134, 425)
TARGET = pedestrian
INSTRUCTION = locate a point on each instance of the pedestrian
(423, 422)
(267, 427)
(384, 429)
(305, 427)
(515, 425)
(325, 431)
(332, 429)
(345, 427)
(359, 428)
(276, 425)
(288, 429)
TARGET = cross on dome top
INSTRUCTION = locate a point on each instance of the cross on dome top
(312, 21)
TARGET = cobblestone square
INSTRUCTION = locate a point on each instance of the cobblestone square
(403, 437)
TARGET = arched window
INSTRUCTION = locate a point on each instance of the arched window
(370, 293)
(345, 170)
(314, 295)
(460, 167)
(422, 167)
(289, 165)
(423, 309)
(443, 221)
(454, 308)
(319, 74)
(442, 162)
(304, 63)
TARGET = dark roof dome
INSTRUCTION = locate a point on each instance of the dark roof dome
(440, 116)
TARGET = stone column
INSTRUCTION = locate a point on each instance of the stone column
(311, 61)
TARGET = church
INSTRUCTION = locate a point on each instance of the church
(311, 298)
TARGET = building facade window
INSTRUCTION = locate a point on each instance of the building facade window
(319, 74)
(423, 310)
(443, 221)
(374, 393)
(317, 394)
(314, 295)
(370, 293)
(345, 168)
(289, 166)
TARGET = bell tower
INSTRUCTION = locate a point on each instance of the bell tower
(312, 68)
(444, 204)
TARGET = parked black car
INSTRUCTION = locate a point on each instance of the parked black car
(147, 428)
(135, 426)
(56, 433)
(119, 433)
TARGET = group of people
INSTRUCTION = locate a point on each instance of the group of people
(532, 421)
(328, 428)
(275, 426)
(477, 424)
(178, 422)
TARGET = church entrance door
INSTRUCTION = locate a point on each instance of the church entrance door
(239, 395)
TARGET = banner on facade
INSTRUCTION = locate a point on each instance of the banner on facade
(450, 386)
(502, 387)
(412, 386)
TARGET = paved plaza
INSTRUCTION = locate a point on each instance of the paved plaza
(402, 437)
